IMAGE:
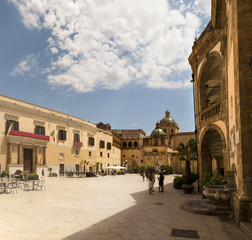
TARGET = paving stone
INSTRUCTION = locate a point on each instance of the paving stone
(104, 208)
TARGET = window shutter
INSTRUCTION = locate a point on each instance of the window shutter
(16, 126)
(7, 125)
(43, 131)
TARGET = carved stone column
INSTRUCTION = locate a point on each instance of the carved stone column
(21, 154)
(36, 155)
(8, 153)
(18, 157)
(44, 156)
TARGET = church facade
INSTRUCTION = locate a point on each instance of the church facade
(157, 149)
(221, 63)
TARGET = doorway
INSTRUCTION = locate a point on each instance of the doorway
(28, 159)
(61, 169)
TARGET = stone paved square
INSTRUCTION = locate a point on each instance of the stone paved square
(102, 208)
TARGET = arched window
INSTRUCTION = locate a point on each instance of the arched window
(129, 144)
(124, 145)
(135, 144)
(210, 82)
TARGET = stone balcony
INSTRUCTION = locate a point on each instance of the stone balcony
(210, 113)
(29, 135)
(78, 144)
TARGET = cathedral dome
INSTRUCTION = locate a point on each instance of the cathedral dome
(157, 130)
(167, 118)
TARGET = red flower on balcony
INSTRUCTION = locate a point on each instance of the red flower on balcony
(29, 135)
(79, 144)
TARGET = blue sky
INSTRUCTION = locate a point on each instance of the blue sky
(118, 62)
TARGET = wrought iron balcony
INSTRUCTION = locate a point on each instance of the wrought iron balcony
(210, 112)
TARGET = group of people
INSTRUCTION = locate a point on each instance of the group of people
(150, 176)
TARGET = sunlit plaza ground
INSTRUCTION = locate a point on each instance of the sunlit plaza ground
(104, 208)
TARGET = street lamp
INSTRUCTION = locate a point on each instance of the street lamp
(195, 127)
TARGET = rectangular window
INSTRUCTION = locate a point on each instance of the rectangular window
(109, 146)
(100, 154)
(91, 141)
(15, 125)
(90, 154)
(102, 144)
(77, 152)
(40, 130)
(76, 137)
(145, 141)
(171, 131)
(108, 155)
(62, 135)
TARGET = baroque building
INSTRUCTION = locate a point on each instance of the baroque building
(222, 76)
(157, 149)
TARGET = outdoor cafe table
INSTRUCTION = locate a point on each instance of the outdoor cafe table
(33, 183)
(4, 183)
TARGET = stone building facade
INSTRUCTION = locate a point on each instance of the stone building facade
(221, 64)
(157, 149)
(36, 138)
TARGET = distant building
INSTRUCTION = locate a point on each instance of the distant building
(36, 138)
(157, 149)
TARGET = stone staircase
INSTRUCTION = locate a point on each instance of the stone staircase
(247, 228)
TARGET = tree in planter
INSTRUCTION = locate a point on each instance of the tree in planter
(187, 151)
(85, 163)
(97, 166)
(82, 163)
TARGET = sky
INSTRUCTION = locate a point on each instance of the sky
(111, 61)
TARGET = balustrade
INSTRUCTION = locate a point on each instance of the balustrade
(210, 113)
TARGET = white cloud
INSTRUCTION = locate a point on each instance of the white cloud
(203, 7)
(25, 65)
(107, 44)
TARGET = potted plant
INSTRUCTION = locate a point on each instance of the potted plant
(187, 151)
(178, 181)
(214, 190)
(17, 174)
(4, 173)
(166, 169)
(33, 176)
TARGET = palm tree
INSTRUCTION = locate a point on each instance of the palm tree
(187, 151)
(81, 163)
(86, 163)
(97, 166)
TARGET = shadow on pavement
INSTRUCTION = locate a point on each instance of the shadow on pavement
(152, 217)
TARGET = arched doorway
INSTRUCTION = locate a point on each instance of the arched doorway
(211, 154)
(130, 165)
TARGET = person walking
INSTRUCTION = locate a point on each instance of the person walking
(150, 183)
(153, 180)
(142, 174)
(26, 175)
(43, 173)
(161, 182)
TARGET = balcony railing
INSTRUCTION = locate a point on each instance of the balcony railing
(79, 144)
(210, 113)
(29, 135)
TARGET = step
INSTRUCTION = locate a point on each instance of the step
(247, 228)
